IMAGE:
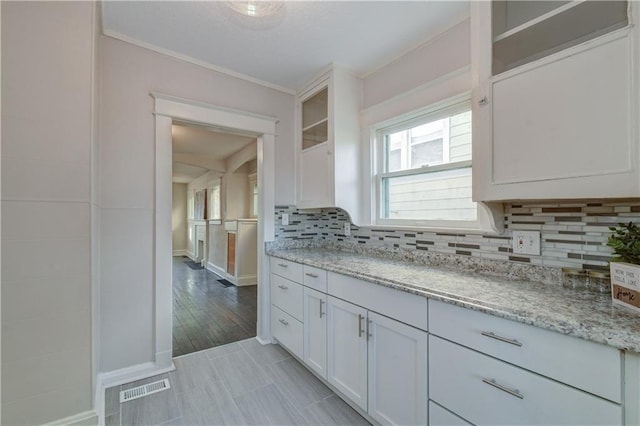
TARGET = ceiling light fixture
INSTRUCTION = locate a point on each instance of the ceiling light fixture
(256, 14)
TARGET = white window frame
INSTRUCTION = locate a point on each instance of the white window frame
(253, 183)
(438, 110)
(216, 184)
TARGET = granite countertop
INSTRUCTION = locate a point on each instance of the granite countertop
(583, 314)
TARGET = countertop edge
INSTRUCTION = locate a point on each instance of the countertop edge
(568, 327)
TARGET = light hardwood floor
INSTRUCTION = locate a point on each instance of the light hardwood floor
(242, 383)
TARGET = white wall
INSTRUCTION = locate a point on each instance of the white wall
(128, 74)
(235, 190)
(179, 216)
(47, 64)
(443, 54)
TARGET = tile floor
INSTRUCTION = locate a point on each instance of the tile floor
(206, 313)
(242, 383)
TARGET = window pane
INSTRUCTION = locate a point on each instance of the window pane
(436, 142)
(426, 154)
(444, 195)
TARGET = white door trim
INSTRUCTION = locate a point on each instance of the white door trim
(168, 108)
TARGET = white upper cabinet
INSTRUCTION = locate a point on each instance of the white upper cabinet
(327, 146)
(555, 100)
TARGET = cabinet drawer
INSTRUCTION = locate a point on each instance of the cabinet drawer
(402, 306)
(287, 295)
(315, 278)
(287, 269)
(586, 365)
(287, 330)
(484, 390)
(438, 416)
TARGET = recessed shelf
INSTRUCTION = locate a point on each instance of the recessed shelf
(324, 120)
(568, 25)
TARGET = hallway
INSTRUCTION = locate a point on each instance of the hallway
(206, 313)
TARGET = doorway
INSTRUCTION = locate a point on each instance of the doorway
(214, 236)
(169, 109)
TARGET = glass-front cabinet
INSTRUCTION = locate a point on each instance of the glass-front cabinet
(555, 99)
(327, 147)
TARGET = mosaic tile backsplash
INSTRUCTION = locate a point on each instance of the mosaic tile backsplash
(573, 234)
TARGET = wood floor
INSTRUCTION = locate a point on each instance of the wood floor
(206, 313)
(242, 383)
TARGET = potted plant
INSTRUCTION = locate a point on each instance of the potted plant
(625, 264)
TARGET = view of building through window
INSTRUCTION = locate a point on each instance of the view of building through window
(427, 169)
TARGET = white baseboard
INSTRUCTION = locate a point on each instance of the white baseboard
(180, 252)
(190, 255)
(216, 269)
(263, 341)
(246, 280)
(86, 418)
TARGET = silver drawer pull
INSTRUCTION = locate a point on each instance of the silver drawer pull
(284, 287)
(492, 335)
(360, 328)
(513, 392)
(283, 265)
(283, 322)
(309, 274)
(321, 303)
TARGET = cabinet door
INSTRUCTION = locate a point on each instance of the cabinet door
(397, 372)
(347, 349)
(315, 331)
(315, 184)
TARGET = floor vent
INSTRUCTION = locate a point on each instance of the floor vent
(144, 390)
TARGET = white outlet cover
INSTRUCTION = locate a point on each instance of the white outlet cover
(347, 229)
(526, 242)
(285, 219)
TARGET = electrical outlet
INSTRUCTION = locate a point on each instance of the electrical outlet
(285, 219)
(347, 229)
(526, 242)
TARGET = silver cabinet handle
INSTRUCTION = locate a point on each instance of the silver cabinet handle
(284, 287)
(283, 265)
(483, 101)
(360, 328)
(283, 322)
(369, 334)
(513, 392)
(309, 274)
(492, 335)
(321, 303)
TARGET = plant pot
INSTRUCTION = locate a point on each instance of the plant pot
(625, 284)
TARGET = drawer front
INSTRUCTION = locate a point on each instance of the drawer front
(484, 390)
(287, 330)
(287, 295)
(287, 269)
(402, 306)
(315, 278)
(586, 365)
(438, 416)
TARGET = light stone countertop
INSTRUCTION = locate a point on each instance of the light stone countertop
(583, 314)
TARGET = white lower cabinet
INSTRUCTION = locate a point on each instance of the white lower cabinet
(287, 330)
(397, 372)
(378, 363)
(438, 416)
(347, 349)
(486, 391)
(315, 331)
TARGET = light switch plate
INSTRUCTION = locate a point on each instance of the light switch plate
(526, 242)
(285, 219)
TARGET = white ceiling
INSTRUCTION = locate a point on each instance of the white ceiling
(308, 36)
(198, 149)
